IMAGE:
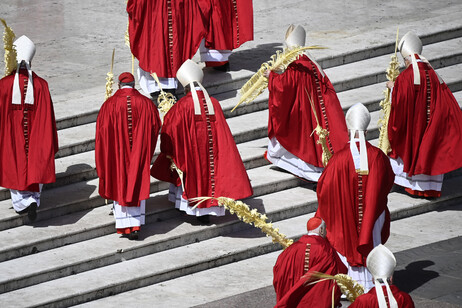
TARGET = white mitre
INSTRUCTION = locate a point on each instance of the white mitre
(188, 74)
(25, 51)
(357, 119)
(410, 45)
(295, 36)
(381, 263)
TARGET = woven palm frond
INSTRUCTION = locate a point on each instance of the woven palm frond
(165, 100)
(322, 134)
(10, 50)
(348, 286)
(279, 62)
(392, 74)
(244, 213)
(127, 36)
(110, 79)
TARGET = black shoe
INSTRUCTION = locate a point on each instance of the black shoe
(32, 211)
(204, 219)
(133, 235)
(222, 68)
(25, 211)
(315, 186)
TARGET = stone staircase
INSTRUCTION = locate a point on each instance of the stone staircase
(71, 254)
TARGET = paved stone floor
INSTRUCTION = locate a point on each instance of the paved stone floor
(431, 274)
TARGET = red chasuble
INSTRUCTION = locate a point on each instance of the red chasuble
(308, 255)
(28, 135)
(425, 126)
(165, 33)
(350, 203)
(204, 149)
(127, 129)
(231, 24)
(369, 300)
(291, 119)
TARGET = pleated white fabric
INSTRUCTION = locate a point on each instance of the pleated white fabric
(419, 182)
(282, 158)
(129, 216)
(360, 273)
(22, 198)
(175, 195)
(149, 85)
(213, 55)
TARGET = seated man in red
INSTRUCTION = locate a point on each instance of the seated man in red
(381, 263)
(311, 253)
(198, 153)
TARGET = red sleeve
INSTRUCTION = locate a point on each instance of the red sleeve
(161, 167)
(323, 259)
(403, 92)
(379, 183)
(288, 268)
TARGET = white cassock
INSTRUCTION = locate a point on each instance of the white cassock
(175, 195)
(420, 182)
(282, 158)
(360, 273)
(22, 199)
(149, 85)
(129, 216)
(213, 55)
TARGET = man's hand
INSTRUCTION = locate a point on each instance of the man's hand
(390, 84)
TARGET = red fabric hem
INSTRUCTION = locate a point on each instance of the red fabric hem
(215, 63)
(127, 230)
(265, 156)
(425, 193)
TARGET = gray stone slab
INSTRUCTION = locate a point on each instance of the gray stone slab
(63, 200)
(158, 234)
(162, 293)
(80, 54)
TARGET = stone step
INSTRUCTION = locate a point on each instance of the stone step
(80, 139)
(372, 70)
(350, 76)
(254, 122)
(171, 263)
(232, 282)
(105, 248)
(69, 106)
(369, 95)
(81, 167)
(69, 199)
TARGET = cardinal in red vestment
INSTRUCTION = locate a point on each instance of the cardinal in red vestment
(381, 263)
(29, 139)
(198, 153)
(311, 253)
(163, 34)
(127, 129)
(292, 145)
(230, 26)
(352, 197)
(425, 125)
